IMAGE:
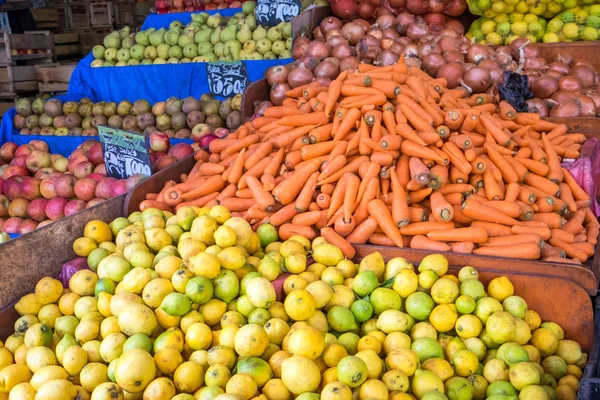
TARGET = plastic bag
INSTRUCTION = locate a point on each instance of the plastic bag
(515, 90)
(70, 268)
(505, 28)
(545, 9)
(586, 170)
(575, 24)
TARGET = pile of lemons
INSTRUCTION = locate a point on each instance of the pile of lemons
(186, 307)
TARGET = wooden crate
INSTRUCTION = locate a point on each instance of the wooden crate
(101, 14)
(54, 79)
(87, 40)
(141, 11)
(17, 79)
(124, 12)
(78, 15)
(46, 18)
(66, 45)
(5, 106)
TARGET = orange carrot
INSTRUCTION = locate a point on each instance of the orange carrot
(471, 234)
(576, 190)
(543, 232)
(530, 251)
(400, 210)
(412, 149)
(515, 239)
(333, 238)
(287, 190)
(462, 247)
(235, 204)
(381, 214)
(286, 231)
(424, 243)
(441, 209)
(482, 212)
(571, 250)
(493, 229)
(306, 194)
(362, 232)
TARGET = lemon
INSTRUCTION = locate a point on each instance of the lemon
(555, 328)
(443, 317)
(205, 264)
(374, 263)
(419, 305)
(468, 326)
(424, 382)
(351, 371)
(383, 299)
(327, 254)
(545, 341)
(188, 377)
(427, 278)
(440, 367)
(569, 350)
(251, 340)
(232, 258)
(406, 282)
(465, 363)
(321, 292)
(300, 305)
(308, 342)
(444, 291)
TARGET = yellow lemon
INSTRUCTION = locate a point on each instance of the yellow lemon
(300, 305)
(443, 317)
(500, 288)
(406, 282)
(83, 246)
(98, 231)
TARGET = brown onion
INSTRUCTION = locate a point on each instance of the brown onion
(496, 75)
(352, 32)
(368, 48)
(427, 48)
(534, 64)
(327, 69)
(563, 97)
(448, 44)
(385, 21)
(595, 96)
(587, 106)
(300, 46)
(365, 10)
(349, 64)
(300, 76)
(318, 49)
(488, 64)
(332, 33)
(277, 74)
(376, 33)
(452, 72)
(454, 57)
(565, 58)
(397, 4)
(403, 21)
(568, 109)
(569, 83)
(309, 62)
(417, 30)
(390, 33)
(397, 48)
(386, 57)
(478, 53)
(335, 41)
(432, 63)
(334, 60)
(323, 81)
(544, 87)
(455, 26)
(554, 74)
(365, 25)
(317, 34)
(468, 66)
(411, 50)
(584, 74)
(277, 93)
(537, 106)
(330, 23)
(478, 79)
(342, 50)
(559, 66)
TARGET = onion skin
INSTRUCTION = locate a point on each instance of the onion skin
(453, 74)
(299, 76)
(386, 57)
(349, 64)
(277, 74)
(327, 69)
(352, 32)
(432, 63)
(277, 94)
(478, 79)
(330, 23)
(569, 109)
(584, 74)
(569, 83)
(537, 106)
(544, 87)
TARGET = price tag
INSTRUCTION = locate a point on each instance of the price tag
(125, 153)
(273, 12)
(227, 79)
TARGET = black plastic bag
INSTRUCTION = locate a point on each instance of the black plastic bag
(515, 90)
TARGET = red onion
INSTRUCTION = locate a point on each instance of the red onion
(345, 9)
(376, 33)
(403, 21)
(563, 97)
(432, 63)
(349, 64)
(335, 41)
(537, 106)
(569, 109)
(277, 94)
(386, 57)
(478, 53)
(454, 57)
(368, 48)
(333, 60)
(365, 25)
(309, 62)
(299, 49)
(397, 48)
(452, 72)
(417, 30)
(317, 34)
(70, 268)
(435, 19)
(554, 74)
(330, 23)
(447, 44)
(559, 66)
(397, 4)
(455, 8)
(318, 49)
(300, 76)
(352, 32)
(411, 50)
(496, 75)
(277, 74)
(341, 51)
(584, 74)
(427, 48)
(478, 79)
(385, 21)
(365, 10)
(206, 139)
(587, 106)
(534, 64)
(261, 107)
(595, 96)
(544, 87)
(323, 81)
(390, 33)
(327, 69)
(488, 64)
(468, 66)
(569, 83)
(332, 33)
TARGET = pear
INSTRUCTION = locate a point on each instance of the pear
(162, 50)
(244, 34)
(136, 52)
(190, 50)
(274, 34)
(215, 37)
(175, 52)
(150, 53)
(124, 32)
(171, 37)
(205, 48)
(228, 33)
(159, 60)
(286, 29)
(203, 35)
(259, 33)
(112, 40)
(175, 25)
(269, 55)
(219, 49)
(143, 37)
(250, 46)
(263, 45)
(185, 39)
(146, 61)
(214, 20)
(233, 21)
(250, 20)
(156, 37)
(248, 7)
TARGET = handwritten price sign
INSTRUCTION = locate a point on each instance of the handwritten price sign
(273, 12)
(227, 79)
(125, 153)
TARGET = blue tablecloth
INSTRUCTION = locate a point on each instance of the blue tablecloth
(151, 82)
(163, 20)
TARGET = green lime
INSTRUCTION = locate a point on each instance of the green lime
(473, 288)
(516, 306)
(364, 283)
(226, 285)
(199, 290)
(385, 299)
(427, 348)
(349, 341)
(341, 319)
(362, 310)
(419, 305)
(501, 388)
(267, 234)
(465, 304)
(138, 341)
(259, 316)
(176, 304)
(95, 256)
(105, 285)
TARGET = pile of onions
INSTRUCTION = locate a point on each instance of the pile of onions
(436, 44)
(369, 9)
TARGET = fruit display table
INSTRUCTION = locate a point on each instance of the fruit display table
(163, 20)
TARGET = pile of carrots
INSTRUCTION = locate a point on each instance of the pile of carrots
(390, 156)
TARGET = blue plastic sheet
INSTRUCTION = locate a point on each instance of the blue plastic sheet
(158, 21)
(151, 82)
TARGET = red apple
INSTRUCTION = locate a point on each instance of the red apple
(44, 223)
(18, 208)
(64, 185)
(88, 144)
(28, 225)
(83, 169)
(78, 152)
(40, 145)
(12, 187)
(104, 188)
(19, 161)
(134, 180)
(37, 209)
(159, 141)
(95, 154)
(24, 150)
(74, 206)
(7, 151)
(15, 170)
(30, 188)
(61, 164)
(47, 187)
(85, 189)
(95, 202)
(100, 169)
(73, 161)
(119, 188)
(181, 150)
(38, 159)
(55, 208)
(164, 162)
(96, 176)
(43, 173)
(12, 225)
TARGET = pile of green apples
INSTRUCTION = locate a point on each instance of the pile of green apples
(207, 38)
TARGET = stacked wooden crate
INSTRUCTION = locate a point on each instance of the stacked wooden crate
(54, 79)
(66, 45)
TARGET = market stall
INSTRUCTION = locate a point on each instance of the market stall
(408, 210)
